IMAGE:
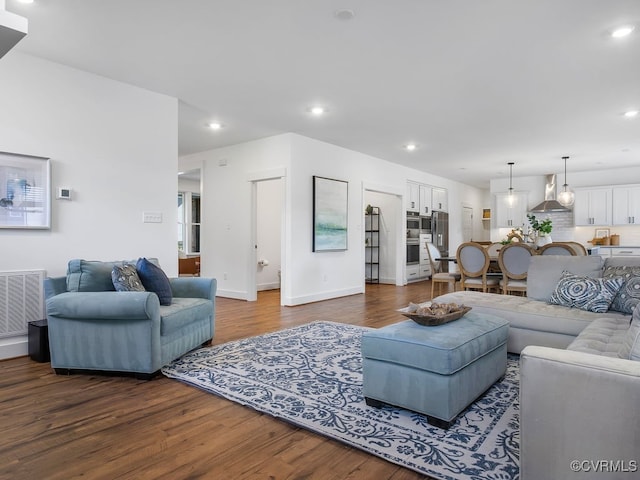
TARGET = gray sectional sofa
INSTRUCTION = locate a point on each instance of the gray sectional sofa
(580, 371)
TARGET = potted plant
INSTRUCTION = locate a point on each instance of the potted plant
(542, 229)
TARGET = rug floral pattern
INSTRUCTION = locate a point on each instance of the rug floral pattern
(311, 375)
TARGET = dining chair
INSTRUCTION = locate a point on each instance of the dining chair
(473, 262)
(578, 248)
(493, 249)
(556, 248)
(436, 275)
(514, 264)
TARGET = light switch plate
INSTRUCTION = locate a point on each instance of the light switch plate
(152, 217)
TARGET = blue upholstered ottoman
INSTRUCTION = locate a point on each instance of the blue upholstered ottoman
(437, 371)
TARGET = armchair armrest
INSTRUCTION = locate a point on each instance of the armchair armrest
(194, 287)
(580, 407)
(104, 305)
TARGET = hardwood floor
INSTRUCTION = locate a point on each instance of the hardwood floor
(103, 427)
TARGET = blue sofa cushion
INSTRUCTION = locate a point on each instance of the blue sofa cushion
(125, 279)
(90, 276)
(183, 311)
(93, 275)
(154, 280)
(585, 293)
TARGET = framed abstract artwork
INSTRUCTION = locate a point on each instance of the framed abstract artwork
(25, 191)
(330, 208)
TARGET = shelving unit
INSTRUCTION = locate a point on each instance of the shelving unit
(372, 246)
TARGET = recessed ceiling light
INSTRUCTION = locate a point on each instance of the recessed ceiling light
(622, 31)
(410, 147)
(214, 125)
(631, 113)
(318, 110)
(25, 1)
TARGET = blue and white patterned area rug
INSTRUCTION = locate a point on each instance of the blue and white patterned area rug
(311, 376)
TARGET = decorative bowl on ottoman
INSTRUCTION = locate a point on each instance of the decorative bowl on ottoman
(430, 313)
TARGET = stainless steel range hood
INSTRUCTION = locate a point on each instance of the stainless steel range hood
(550, 204)
(13, 28)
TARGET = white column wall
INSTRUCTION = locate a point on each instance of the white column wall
(114, 144)
(227, 250)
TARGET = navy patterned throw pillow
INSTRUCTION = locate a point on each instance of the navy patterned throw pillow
(125, 279)
(585, 293)
(155, 280)
(629, 294)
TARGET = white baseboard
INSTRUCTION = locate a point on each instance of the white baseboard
(14, 347)
(268, 286)
(231, 294)
(328, 295)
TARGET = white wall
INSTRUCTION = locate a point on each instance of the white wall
(185, 185)
(115, 145)
(227, 249)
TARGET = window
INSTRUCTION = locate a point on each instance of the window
(181, 226)
(194, 241)
(189, 222)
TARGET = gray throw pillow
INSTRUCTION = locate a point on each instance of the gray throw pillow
(125, 279)
(585, 293)
(629, 294)
(545, 272)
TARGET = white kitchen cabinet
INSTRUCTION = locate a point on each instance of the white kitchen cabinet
(626, 205)
(413, 197)
(425, 271)
(439, 199)
(425, 199)
(619, 251)
(511, 210)
(592, 206)
(413, 272)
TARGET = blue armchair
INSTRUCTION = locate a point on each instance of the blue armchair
(94, 327)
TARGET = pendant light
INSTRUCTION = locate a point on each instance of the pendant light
(510, 198)
(566, 197)
(510, 178)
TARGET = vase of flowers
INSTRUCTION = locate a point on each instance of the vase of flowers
(542, 229)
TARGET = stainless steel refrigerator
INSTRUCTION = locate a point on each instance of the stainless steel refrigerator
(440, 232)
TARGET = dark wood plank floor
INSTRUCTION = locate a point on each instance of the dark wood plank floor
(101, 427)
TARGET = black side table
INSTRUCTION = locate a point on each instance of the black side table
(39, 341)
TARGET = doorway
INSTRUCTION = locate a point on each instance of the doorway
(269, 201)
(267, 261)
(391, 252)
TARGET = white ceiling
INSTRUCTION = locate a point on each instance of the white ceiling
(475, 83)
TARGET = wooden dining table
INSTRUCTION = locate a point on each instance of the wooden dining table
(493, 263)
